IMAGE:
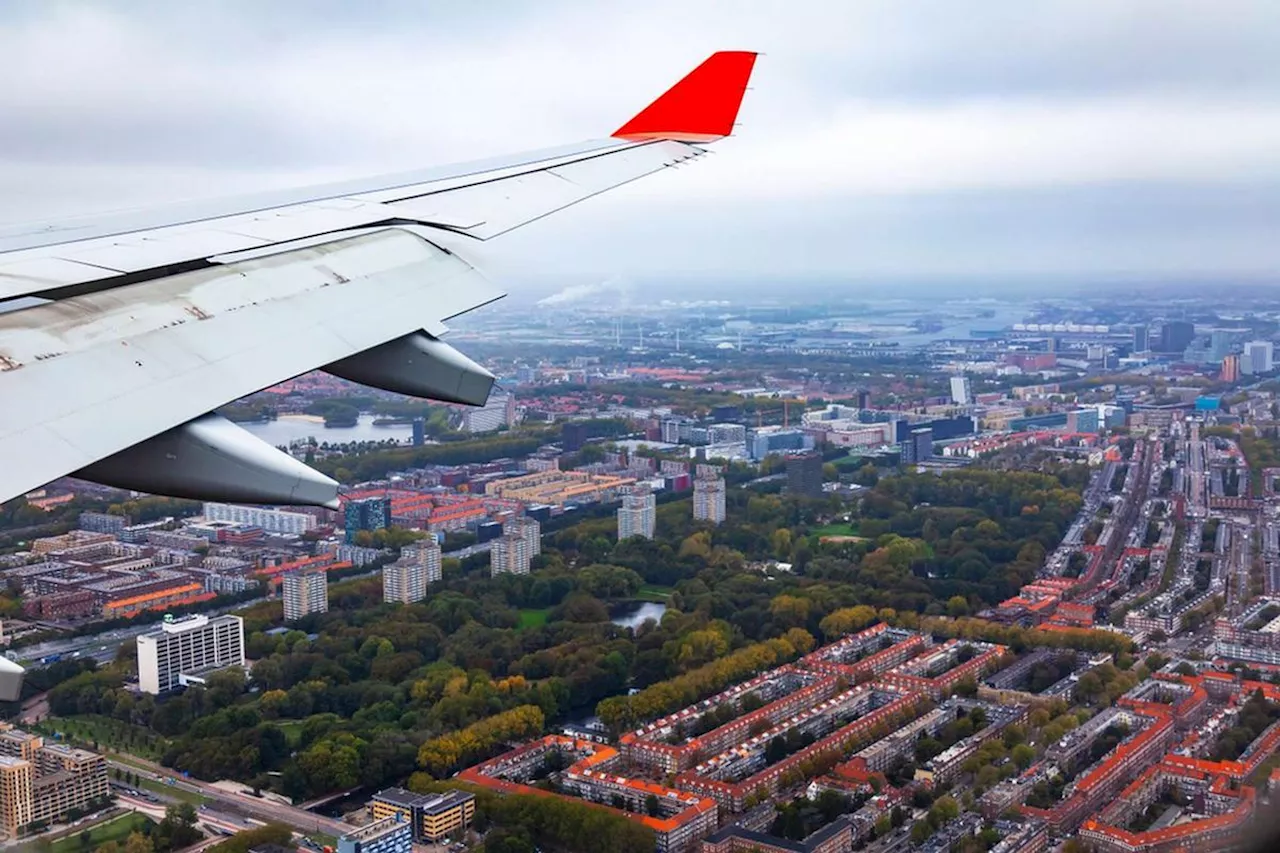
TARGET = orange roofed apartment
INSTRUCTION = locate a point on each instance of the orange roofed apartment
(936, 672)
(786, 691)
(683, 819)
(844, 722)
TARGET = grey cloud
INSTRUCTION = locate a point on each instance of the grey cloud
(880, 138)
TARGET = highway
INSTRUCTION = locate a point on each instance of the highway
(236, 804)
(102, 647)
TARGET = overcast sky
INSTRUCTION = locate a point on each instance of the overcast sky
(988, 138)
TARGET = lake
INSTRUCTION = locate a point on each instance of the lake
(287, 429)
(638, 612)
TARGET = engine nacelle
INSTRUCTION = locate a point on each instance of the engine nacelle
(10, 680)
(418, 365)
(212, 459)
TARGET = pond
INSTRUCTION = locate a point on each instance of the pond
(635, 613)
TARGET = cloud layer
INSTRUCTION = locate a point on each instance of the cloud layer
(892, 138)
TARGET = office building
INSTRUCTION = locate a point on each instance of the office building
(766, 440)
(638, 514)
(407, 579)
(804, 475)
(1260, 356)
(573, 435)
(432, 817)
(1176, 336)
(270, 520)
(389, 835)
(305, 593)
(943, 429)
(708, 499)
(193, 645)
(366, 514)
(419, 432)
(42, 783)
(961, 390)
(1140, 341)
(509, 554)
(918, 447)
(864, 399)
(497, 412)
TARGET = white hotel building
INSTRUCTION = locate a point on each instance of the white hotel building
(182, 651)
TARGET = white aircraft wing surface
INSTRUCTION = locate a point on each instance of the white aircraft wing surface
(120, 334)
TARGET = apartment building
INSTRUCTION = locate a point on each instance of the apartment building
(271, 520)
(683, 819)
(791, 691)
(16, 805)
(529, 529)
(638, 515)
(708, 499)
(509, 554)
(189, 646)
(42, 783)
(835, 837)
(305, 593)
(407, 579)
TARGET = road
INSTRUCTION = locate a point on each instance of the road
(34, 709)
(237, 804)
(102, 647)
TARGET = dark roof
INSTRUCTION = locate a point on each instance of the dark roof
(836, 826)
(429, 803)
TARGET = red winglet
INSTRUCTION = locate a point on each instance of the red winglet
(700, 108)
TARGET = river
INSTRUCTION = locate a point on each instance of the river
(290, 428)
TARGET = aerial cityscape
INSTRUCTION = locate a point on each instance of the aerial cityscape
(871, 444)
(982, 575)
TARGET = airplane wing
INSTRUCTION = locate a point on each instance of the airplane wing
(137, 325)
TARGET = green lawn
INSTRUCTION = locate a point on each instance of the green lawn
(530, 618)
(841, 529)
(108, 734)
(653, 592)
(292, 730)
(116, 829)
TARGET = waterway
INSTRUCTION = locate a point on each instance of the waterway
(291, 428)
(638, 613)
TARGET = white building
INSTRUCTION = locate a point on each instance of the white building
(271, 520)
(189, 646)
(406, 580)
(726, 434)
(509, 554)
(961, 390)
(637, 515)
(498, 411)
(708, 499)
(1259, 357)
(305, 593)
